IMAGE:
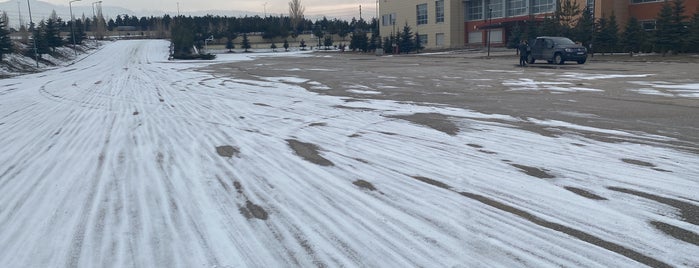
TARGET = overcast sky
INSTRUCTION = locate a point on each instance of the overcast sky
(330, 8)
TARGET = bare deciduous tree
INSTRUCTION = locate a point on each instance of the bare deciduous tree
(296, 13)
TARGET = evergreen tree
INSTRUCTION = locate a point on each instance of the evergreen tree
(273, 47)
(328, 42)
(229, 45)
(406, 42)
(679, 28)
(549, 27)
(633, 36)
(5, 41)
(585, 28)
(693, 37)
(374, 41)
(79, 32)
(52, 31)
(39, 36)
(388, 44)
(183, 35)
(663, 29)
(532, 30)
(516, 36)
(286, 45)
(359, 41)
(607, 36)
(246, 42)
(418, 43)
(302, 44)
(568, 14)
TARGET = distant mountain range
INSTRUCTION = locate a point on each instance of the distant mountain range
(42, 10)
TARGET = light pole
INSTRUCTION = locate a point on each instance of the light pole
(31, 28)
(72, 21)
(94, 21)
(490, 25)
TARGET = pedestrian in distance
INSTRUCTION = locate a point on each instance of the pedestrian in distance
(523, 52)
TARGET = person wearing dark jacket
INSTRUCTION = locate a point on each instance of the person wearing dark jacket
(523, 53)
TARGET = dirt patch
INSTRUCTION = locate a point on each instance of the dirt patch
(309, 152)
(227, 151)
(677, 232)
(637, 162)
(475, 146)
(540, 173)
(238, 187)
(619, 249)
(487, 152)
(433, 182)
(135, 113)
(262, 104)
(435, 121)
(364, 185)
(355, 136)
(689, 212)
(584, 193)
(252, 210)
(318, 125)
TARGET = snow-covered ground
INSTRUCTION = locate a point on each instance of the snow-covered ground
(125, 159)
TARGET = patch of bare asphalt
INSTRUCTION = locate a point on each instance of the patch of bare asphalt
(227, 151)
(320, 124)
(637, 162)
(473, 145)
(435, 121)
(309, 152)
(364, 185)
(135, 113)
(433, 182)
(677, 232)
(584, 193)
(583, 236)
(261, 104)
(238, 187)
(611, 246)
(251, 210)
(689, 212)
(540, 173)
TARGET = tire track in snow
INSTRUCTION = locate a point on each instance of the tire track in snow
(583, 236)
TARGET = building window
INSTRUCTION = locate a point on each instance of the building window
(475, 10)
(421, 14)
(439, 39)
(648, 25)
(516, 8)
(644, 1)
(439, 11)
(423, 39)
(388, 19)
(495, 9)
(543, 6)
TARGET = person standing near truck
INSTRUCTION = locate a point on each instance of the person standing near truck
(523, 52)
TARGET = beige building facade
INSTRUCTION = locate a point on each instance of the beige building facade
(440, 23)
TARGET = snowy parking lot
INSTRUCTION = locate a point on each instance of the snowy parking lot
(126, 159)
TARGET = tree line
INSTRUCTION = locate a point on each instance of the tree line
(673, 31)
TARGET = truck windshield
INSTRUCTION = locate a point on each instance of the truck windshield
(564, 41)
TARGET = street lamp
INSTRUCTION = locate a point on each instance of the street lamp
(95, 20)
(31, 28)
(490, 25)
(72, 21)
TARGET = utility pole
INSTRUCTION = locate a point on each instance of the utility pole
(31, 28)
(19, 10)
(178, 9)
(360, 12)
(72, 22)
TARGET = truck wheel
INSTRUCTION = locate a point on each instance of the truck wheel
(582, 61)
(557, 59)
(530, 59)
